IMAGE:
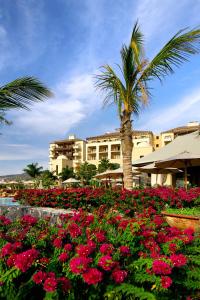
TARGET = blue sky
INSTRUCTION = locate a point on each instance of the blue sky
(63, 43)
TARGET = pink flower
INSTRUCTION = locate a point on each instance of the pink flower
(7, 249)
(39, 277)
(24, 260)
(166, 281)
(119, 276)
(106, 249)
(84, 250)
(161, 267)
(124, 250)
(89, 220)
(50, 284)
(100, 236)
(68, 247)
(63, 257)
(57, 243)
(178, 260)
(78, 265)
(28, 219)
(106, 263)
(92, 276)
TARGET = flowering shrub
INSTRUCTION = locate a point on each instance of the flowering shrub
(122, 200)
(99, 256)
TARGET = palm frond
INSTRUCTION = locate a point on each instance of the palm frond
(136, 43)
(110, 83)
(3, 120)
(22, 92)
(173, 54)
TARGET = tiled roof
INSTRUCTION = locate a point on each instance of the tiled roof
(182, 129)
(117, 134)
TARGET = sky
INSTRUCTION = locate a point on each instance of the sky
(64, 43)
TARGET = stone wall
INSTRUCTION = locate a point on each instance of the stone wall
(14, 212)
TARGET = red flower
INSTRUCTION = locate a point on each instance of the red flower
(119, 276)
(172, 247)
(63, 257)
(57, 243)
(65, 283)
(74, 230)
(44, 260)
(166, 281)
(92, 276)
(161, 267)
(106, 263)
(5, 220)
(106, 249)
(50, 284)
(78, 265)
(24, 260)
(178, 260)
(39, 277)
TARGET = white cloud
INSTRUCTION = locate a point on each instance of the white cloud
(184, 110)
(15, 152)
(75, 99)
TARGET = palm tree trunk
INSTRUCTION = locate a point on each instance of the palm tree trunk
(127, 146)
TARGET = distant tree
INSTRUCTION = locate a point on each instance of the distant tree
(33, 170)
(66, 173)
(47, 178)
(20, 94)
(86, 171)
(114, 166)
(105, 165)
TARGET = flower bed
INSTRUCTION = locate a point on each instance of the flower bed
(121, 200)
(98, 256)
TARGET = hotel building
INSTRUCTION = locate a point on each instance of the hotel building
(72, 151)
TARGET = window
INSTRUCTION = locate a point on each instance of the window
(56, 169)
(157, 137)
(141, 156)
(157, 145)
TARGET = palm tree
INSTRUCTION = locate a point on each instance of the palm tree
(33, 170)
(131, 91)
(21, 93)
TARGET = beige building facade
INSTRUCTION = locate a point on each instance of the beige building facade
(72, 151)
(109, 146)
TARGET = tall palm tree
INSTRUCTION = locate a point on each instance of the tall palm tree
(131, 90)
(21, 93)
(33, 170)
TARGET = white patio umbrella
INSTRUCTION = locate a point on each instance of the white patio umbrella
(182, 160)
(71, 180)
(117, 173)
(152, 169)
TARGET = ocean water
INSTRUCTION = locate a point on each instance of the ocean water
(8, 201)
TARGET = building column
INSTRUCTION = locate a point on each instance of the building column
(109, 151)
(97, 152)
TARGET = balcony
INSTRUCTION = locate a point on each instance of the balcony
(167, 138)
(76, 146)
(91, 150)
(76, 154)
